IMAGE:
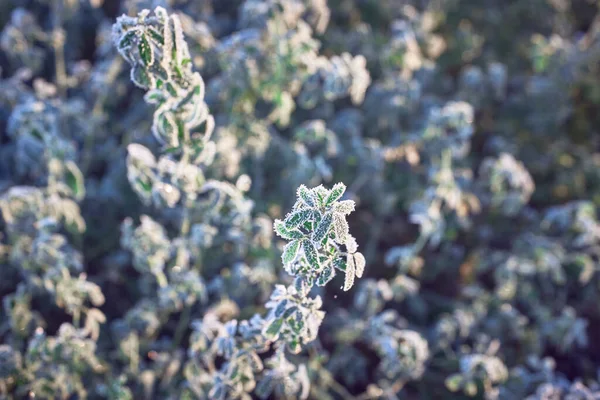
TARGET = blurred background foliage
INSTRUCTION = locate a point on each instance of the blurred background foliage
(466, 131)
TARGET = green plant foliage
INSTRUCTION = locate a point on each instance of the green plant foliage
(185, 187)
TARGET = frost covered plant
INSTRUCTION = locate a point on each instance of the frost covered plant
(334, 79)
(317, 225)
(404, 352)
(509, 183)
(317, 230)
(478, 371)
(138, 252)
(155, 47)
(293, 318)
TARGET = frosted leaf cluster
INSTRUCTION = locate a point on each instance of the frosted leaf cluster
(160, 60)
(317, 229)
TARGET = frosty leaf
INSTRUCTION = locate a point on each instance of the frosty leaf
(156, 36)
(351, 244)
(289, 312)
(126, 40)
(146, 51)
(180, 46)
(316, 219)
(298, 324)
(141, 78)
(74, 179)
(340, 263)
(272, 330)
(155, 97)
(297, 218)
(323, 228)
(335, 194)
(310, 253)
(290, 251)
(294, 347)
(344, 207)
(167, 128)
(326, 276)
(350, 272)
(281, 307)
(285, 233)
(306, 196)
(301, 285)
(321, 194)
(360, 262)
(340, 228)
(141, 155)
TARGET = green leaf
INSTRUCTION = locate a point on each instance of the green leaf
(308, 225)
(340, 263)
(272, 331)
(306, 196)
(289, 312)
(37, 134)
(181, 132)
(290, 251)
(310, 254)
(234, 373)
(155, 35)
(155, 97)
(189, 97)
(285, 233)
(167, 129)
(280, 309)
(298, 324)
(326, 276)
(294, 346)
(298, 217)
(141, 78)
(323, 228)
(74, 179)
(126, 40)
(146, 51)
(171, 89)
(301, 285)
(335, 194)
(171, 150)
(321, 193)
(161, 74)
(146, 186)
(317, 218)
